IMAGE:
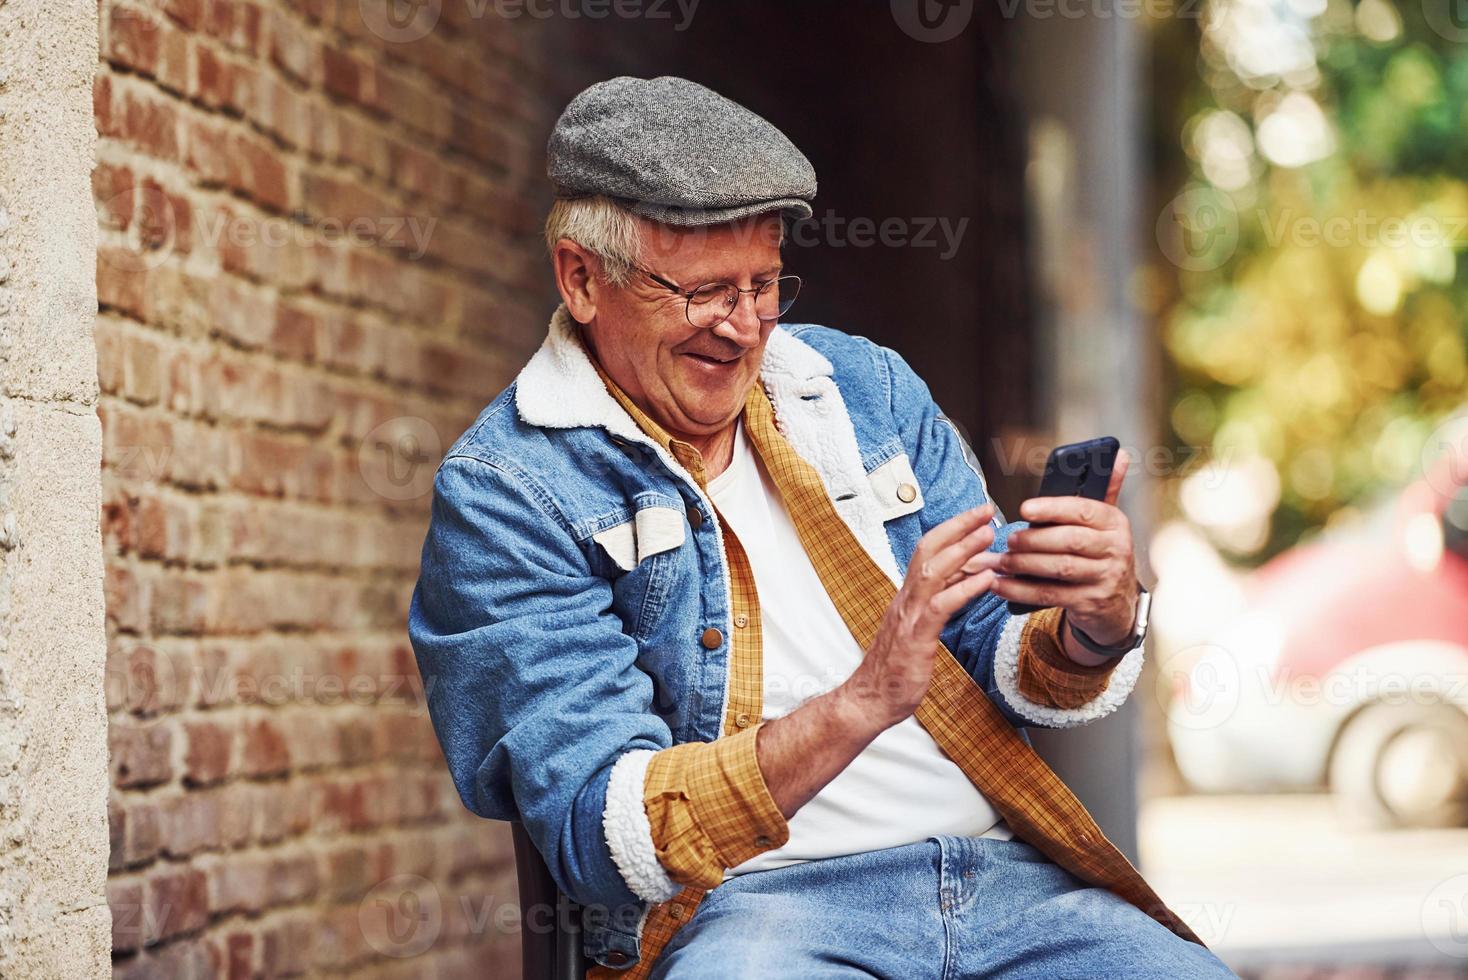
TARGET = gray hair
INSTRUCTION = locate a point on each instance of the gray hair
(609, 231)
(602, 227)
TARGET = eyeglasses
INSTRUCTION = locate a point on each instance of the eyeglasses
(714, 302)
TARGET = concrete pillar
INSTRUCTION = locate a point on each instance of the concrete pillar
(54, 920)
(1081, 80)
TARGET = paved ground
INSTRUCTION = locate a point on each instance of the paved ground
(1284, 891)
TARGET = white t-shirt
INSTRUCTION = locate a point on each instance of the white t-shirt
(902, 787)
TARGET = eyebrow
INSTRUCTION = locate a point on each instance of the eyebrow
(767, 271)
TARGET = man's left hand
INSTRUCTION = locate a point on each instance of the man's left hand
(1086, 554)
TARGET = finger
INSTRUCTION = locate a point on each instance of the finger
(1061, 567)
(951, 530)
(1069, 510)
(1038, 593)
(1065, 539)
(943, 605)
(983, 561)
(953, 557)
(1118, 474)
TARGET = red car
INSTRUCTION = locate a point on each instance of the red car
(1348, 667)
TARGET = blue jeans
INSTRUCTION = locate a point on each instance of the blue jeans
(947, 907)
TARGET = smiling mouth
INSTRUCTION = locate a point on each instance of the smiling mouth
(713, 358)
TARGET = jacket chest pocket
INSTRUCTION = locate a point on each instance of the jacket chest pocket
(895, 487)
(642, 556)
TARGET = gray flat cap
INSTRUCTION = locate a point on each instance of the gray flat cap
(676, 152)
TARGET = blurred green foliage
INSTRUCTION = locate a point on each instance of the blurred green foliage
(1314, 313)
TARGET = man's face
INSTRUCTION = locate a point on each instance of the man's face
(691, 381)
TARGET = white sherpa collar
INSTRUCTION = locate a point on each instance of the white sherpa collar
(560, 389)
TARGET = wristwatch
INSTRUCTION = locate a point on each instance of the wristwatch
(1127, 645)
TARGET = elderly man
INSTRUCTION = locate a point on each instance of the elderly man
(715, 605)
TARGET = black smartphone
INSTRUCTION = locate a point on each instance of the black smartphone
(1081, 469)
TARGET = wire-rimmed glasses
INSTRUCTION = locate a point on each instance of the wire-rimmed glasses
(714, 302)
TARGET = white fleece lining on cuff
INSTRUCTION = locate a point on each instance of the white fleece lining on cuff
(628, 833)
(1006, 675)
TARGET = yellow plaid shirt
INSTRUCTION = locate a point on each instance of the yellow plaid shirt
(707, 802)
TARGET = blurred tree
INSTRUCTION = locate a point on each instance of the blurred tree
(1309, 287)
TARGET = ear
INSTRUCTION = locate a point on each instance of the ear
(575, 270)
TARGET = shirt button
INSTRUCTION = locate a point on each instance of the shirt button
(907, 493)
(695, 517)
(742, 720)
(761, 841)
(712, 639)
(741, 621)
(676, 910)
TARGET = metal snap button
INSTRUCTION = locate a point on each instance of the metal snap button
(907, 493)
(712, 639)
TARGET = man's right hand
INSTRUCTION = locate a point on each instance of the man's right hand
(950, 566)
(803, 751)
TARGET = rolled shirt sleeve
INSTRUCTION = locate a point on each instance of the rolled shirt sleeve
(709, 808)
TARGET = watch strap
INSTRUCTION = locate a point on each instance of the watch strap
(1126, 645)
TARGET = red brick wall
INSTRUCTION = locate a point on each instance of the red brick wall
(277, 384)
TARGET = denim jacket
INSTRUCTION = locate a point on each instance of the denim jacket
(564, 590)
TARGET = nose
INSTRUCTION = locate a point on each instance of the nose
(743, 324)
